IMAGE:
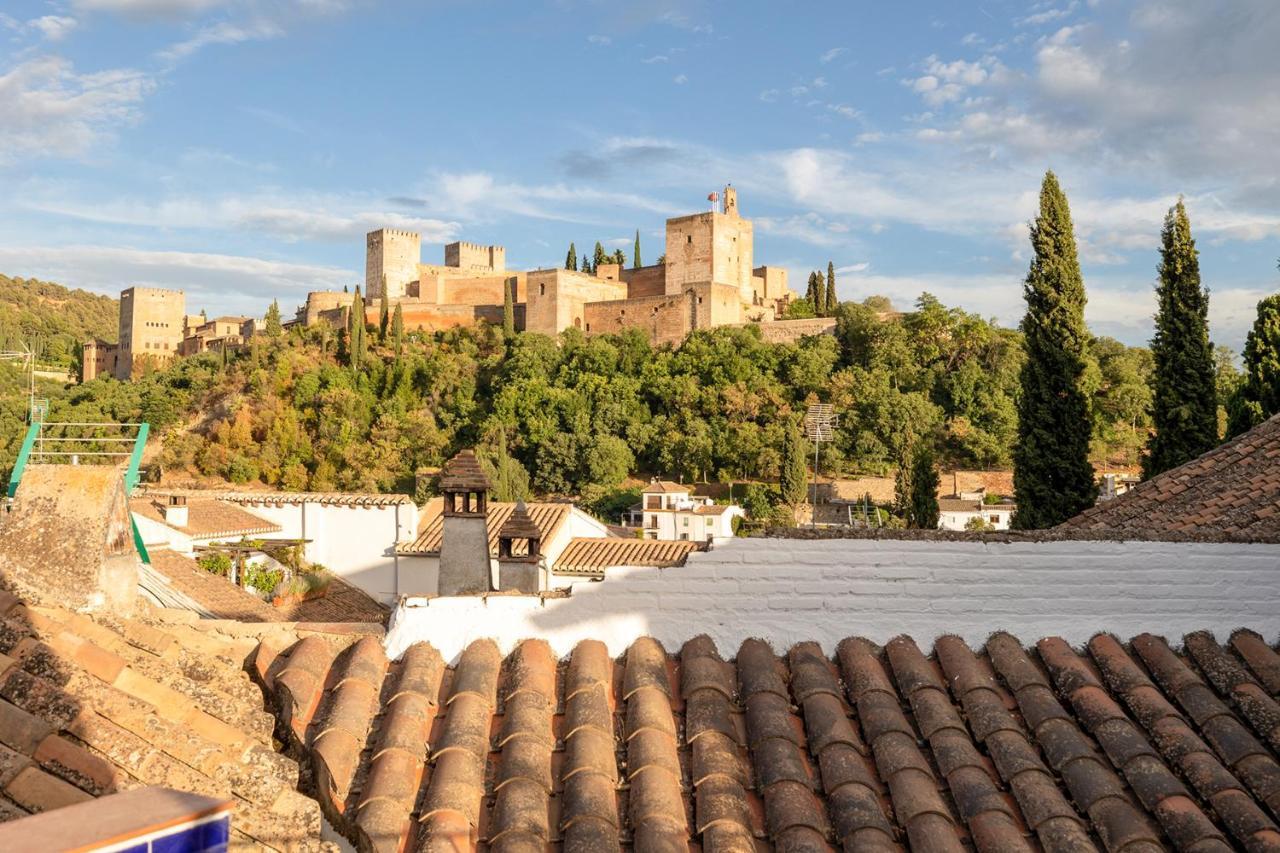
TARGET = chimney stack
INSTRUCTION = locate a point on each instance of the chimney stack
(175, 511)
(518, 572)
(464, 545)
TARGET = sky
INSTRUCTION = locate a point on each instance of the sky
(240, 149)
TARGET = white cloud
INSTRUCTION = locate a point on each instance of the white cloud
(656, 58)
(680, 79)
(1047, 15)
(222, 33)
(50, 110)
(769, 95)
(600, 40)
(151, 8)
(53, 27)
(832, 54)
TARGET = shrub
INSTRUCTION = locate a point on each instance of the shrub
(215, 564)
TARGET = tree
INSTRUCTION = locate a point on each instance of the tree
(922, 508)
(635, 256)
(384, 316)
(832, 299)
(819, 294)
(794, 482)
(811, 293)
(1258, 395)
(272, 324)
(618, 258)
(357, 344)
(571, 259)
(397, 330)
(586, 264)
(1052, 477)
(508, 309)
(1184, 399)
(508, 478)
(598, 258)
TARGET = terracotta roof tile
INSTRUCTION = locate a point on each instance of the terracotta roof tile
(207, 518)
(1261, 659)
(268, 498)
(1232, 680)
(1230, 493)
(591, 556)
(547, 517)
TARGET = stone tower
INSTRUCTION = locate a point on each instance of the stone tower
(392, 256)
(730, 201)
(518, 566)
(464, 545)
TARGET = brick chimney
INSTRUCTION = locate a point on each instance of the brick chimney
(464, 544)
(175, 511)
(517, 566)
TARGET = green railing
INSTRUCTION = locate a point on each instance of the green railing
(23, 455)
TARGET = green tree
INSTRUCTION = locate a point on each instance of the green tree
(618, 258)
(635, 255)
(832, 300)
(397, 330)
(794, 481)
(384, 316)
(571, 259)
(509, 479)
(922, 509)
(508, 309)
(272, 325)
(356, 332)
(819, 294)
(1257, 397)
(811, 293)
(1052, 477)
(598, 257)
(1184, 400)
(586, 264)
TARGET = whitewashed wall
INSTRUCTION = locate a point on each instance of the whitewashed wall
(785, 590)
(355, 543)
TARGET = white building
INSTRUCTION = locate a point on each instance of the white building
(180, 523)
(964, 511)
(671, 512)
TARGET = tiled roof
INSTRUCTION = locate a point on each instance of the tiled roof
(711, 509)
(665, 487)
(1231, 493)
(958, 505)
(519, 524)
(547, 516)
(593, 556)
(1002, 749)
(207, 518)
(289, 498)
(90, 706)
(463, 473)
(224, 600)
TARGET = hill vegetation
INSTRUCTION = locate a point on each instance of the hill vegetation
(60, 318)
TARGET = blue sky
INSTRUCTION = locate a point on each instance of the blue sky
(240, 149)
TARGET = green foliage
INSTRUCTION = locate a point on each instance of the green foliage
(922, 508)
(60, 318)
(271, 325)
(598, 257)
(635, 256)
(1184, 405)
(832, 301)
(571, 258)
(1258, 396)
(384, 316)
(1052, 476)
(799, 309)
(618, 258)
(397, 330)
(262, 577)
(508, 309)
(794, 483)
(979, 524)
(509, 479)
(608, 505)
(215, 563)
(358, 346)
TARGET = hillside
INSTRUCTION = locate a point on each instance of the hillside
(61, 317)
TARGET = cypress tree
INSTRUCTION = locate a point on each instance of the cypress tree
(272, 324)
(811, 292)
(586, 264)
(571, 259)
(598, 258)
(1052, 477)
(384, 316)
(1258, 396)
(832, 300)
(819, 295)
(794, 481)
(635, 257)
(1184, 405)
(508, 309)
(397, 330)
(922, 511)
(357, 331)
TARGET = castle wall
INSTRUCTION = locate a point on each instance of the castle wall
(151, 323)
(321, 304)
(449, 286)
(790, 331)
(394, 254)
(710, 247)
(645, 281)
(664, 318)
(463, 255)
(555, 298)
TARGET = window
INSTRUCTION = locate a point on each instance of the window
(689, 239)
(653, 521)
(686, 521)
(542, 290)
(995, 519)
(684, 537)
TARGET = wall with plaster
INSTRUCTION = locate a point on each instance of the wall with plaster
(786, 590)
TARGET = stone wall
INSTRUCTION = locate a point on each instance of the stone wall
(151, 326)
(555, 299)
(465, 255)
(790, 331)
(665, 319)
(394, 254)
(785, 591)
(645, 281)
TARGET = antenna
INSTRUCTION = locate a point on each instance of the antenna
(820, 423)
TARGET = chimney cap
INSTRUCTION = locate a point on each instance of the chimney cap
(520, 525)
(463, 473)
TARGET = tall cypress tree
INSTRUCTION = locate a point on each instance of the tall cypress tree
(586, 264)
(922, 511)
(794, 481)
(811, 292)
(571, 259)
(397, 330)
(1258, 396)
(1184, 404)
(819, 295)
(1052, 477)
(384, 316)
(508, 309)
(357, 331)
(635, 257)
(598, 258)
(832, 299)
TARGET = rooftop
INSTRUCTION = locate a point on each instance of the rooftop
(665, 487)
(593, 556)
(275, 498)
(1130, 747)
(207, 518)
(548, 517)
(1231, 493)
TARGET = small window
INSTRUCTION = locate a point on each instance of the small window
(684, 537)
(995, 519)
(542, 290)
(689, 238)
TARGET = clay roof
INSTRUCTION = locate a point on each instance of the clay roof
(665, 486)
(207, 518)
(711, 509)
(1002, 748)
(364, 499)
(958, 505)
(519, 524)
(1231, 493)
(91, 706)
(546, 516)
(593, 556)
(224, 600)
(463, 473)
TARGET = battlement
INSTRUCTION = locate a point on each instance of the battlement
(462, 254)
(382, 233)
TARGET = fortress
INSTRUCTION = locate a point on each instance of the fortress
(705, 279)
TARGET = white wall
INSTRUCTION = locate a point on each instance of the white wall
(785, 591)
(355, 543)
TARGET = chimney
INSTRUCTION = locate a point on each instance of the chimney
(518, 572)
(464, 544)
(175, 511)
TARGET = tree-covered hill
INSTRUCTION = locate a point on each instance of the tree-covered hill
(61, 318)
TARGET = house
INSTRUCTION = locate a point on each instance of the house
(672, 513)
(181, 523)
(971, 511)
